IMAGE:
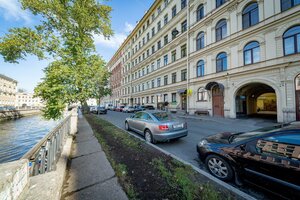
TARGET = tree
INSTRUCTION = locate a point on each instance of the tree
(66, 34)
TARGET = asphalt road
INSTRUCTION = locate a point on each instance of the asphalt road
(185, 148)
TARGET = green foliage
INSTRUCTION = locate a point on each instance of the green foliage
(65, 33)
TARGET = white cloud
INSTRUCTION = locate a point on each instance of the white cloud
(128, 27)
(115, 41)
(11, 9)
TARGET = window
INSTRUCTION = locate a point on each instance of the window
(174, 77)
(200, 68)
(250, 15)
(200, 12)
(158, 10)
(291, 40)
(219, 3)
(153, 31)
(152, 66)
(158, 82)
(200, 41)
(165, 97)
(166, 40)
(166, 3)
(165, 19)
(287, 4)
(153, 49)
(158, 63)
(143, 87)
(183, 74)
(174, 11)
(152, 84)
(147, 99)
(158, 45)
(165, 60)
(202, 94)
(221, 62)
(173, 97)
(166, 80)
(158, 26)
(251, 53)
(173, 56)
(221, 30)
(147, 52)
(183, 51)
(293, 139)
(152, 99)
(153, 17)
(148, 37)
(147, 69)
(183, 4)
(183, 26)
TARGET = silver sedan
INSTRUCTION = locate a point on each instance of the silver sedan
(156, 126)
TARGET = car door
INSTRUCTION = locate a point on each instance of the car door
(273, 162)
(135, 121)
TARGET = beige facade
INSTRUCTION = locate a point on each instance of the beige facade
(236, 59)
(8, 89)
(27, 100)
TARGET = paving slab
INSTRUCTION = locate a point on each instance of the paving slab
(85, 148)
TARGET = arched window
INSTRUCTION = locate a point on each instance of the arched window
(202, 94)
(200, 68)
(251, 53)
(200, 12)
(219, 3)
(221, 62)
(287, 4)
(200, 41)
(250, 15)
(291, 40)
(221, 30)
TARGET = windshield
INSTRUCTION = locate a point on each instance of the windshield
(162, 116)
(259, 132)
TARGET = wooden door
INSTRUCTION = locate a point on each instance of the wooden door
(183, 102)
(218, 102)
(298, 105)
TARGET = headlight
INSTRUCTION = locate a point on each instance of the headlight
(202, 142)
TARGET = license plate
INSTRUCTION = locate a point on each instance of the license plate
(178, 126)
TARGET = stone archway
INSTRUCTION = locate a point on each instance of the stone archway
(256, 100)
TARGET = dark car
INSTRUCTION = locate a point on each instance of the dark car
(139, 108)
(119, 108)
(101, 110)
(149, 107)
(268, 158)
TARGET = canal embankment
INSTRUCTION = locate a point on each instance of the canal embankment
(15, 114)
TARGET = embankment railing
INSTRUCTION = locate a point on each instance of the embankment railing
(45, 154)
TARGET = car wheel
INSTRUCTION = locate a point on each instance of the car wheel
(219, 167)
(127, 126)
(149, 137)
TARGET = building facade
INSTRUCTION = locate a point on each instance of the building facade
(233, 58)
(8, 89)
(26, 100)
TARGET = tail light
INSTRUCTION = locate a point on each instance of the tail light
(163, 127)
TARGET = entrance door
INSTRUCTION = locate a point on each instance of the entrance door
(218, 101)
(183, 102)
(298, 105)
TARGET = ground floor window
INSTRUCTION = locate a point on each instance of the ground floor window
(173, 97)
(202, 94)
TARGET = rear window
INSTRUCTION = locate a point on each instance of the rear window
(162, 116)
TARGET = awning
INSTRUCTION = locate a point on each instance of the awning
(181, 91)
(210, 85)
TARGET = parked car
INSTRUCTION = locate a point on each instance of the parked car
(93, 109)
(156, 126)
(139, 108)
(101, 110)
(111, 107)
(119, 108)
(149, 107)
(268, 157)
(128, 109)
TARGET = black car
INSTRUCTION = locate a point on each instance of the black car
(101, 110)
(268, 158)
(149, 107)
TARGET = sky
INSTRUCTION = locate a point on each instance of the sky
(29, 72)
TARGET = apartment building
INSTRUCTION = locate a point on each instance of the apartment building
(8, 89)
(26, 100)
(233, 58)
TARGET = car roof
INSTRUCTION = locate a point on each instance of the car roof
(154, 111)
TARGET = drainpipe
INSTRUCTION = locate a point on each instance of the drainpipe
(188, 54)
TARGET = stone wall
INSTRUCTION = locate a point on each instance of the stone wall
(15, 114)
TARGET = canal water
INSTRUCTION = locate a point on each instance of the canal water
(18, 136)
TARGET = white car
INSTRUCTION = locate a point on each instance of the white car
(128, 109)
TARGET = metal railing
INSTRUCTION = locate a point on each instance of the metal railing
(45, 154)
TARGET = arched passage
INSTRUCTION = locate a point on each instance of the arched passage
(257, 100)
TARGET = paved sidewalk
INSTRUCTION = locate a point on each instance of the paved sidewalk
(90, 175)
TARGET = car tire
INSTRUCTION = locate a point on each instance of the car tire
(219, 167)
(127, 126)
(149, 137)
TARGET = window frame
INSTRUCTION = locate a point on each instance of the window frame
(223, 68)
(219, 28)
(295, 41)
(200, 43)
(201, 67)
(251, 52)
(249, 14)
(200, 12)
(203, 95)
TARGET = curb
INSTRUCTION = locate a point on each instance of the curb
(202, 172)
